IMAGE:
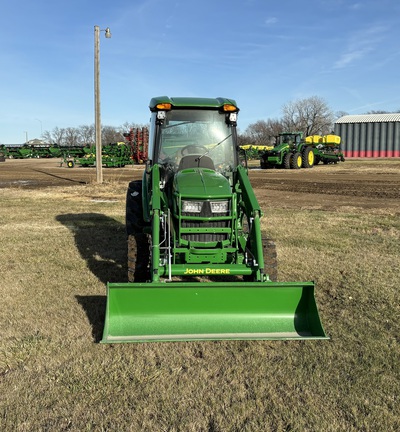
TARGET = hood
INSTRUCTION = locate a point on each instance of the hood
(201, 183)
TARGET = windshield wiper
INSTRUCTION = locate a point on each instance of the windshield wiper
(176, 124)
(208, 151)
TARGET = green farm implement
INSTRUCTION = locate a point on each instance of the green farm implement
(291, 150)
(113, 155)
(326, 149)
(199, 266)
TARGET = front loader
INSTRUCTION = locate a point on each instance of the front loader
(199, 266)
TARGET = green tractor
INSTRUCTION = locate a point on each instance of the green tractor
(3, 153)
(289, 151)
(199, 267)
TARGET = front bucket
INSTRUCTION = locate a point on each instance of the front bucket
(143, 312)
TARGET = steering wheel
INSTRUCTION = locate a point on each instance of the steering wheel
(193, 149)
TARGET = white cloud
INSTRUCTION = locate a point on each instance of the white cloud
(355, 6)
(271, 21)
(360, 45)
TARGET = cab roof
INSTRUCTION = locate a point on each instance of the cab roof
(191, 102)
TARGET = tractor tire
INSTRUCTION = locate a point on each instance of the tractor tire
(134, 208)
(287, 160)
(270, 259)
(296, 161)
(138, 258)
(138, 240)
(70, 164)
(307, 158)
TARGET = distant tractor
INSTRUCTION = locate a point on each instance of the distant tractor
(3, 152)
(289, 151)
(293, 151)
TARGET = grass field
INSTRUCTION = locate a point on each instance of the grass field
(59, 246)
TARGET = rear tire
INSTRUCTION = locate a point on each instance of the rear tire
(138, 241)
(287, 160)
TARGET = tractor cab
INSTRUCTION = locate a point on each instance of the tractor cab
(290, 138)
(188, 136)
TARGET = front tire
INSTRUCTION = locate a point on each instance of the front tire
(138, 241)
(296, 161)
(307, 158)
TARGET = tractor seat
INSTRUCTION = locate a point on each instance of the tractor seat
(193, 161)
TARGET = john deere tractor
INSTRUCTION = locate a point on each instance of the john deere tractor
(199, 266)
(289, 151)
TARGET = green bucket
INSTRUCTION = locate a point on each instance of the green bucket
(176, 311)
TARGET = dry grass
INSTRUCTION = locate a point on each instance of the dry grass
(60, 246)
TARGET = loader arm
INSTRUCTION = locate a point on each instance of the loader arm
(253, 212)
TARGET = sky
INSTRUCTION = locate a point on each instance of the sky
(262, 53)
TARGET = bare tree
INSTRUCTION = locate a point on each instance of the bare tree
(339, 114)
(311, 116)
(72, 137)
(263, 131)
(56, 136)
(127, 126)
(86, 133)
(110, 134)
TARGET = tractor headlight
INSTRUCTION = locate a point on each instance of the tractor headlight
(219, 206)
(191, 206)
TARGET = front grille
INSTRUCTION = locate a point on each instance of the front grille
(206, 237)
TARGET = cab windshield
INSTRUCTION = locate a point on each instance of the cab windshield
(288, 139)
(193, 136)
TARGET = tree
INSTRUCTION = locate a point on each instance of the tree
(86, 133)
(56, 136)
(110, 134)
(382, 112)
(127, 126)
(72, 137)
(339, 114)
(262, 132)
(311, 116)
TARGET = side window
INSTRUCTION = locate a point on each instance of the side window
(152, 136)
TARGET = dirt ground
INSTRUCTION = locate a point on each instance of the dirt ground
(364, 184)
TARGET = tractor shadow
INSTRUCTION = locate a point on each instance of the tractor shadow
(101, 242)
(95, 309)
(59, 177)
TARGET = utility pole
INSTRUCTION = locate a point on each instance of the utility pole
(97, 115)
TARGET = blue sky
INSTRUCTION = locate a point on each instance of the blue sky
(263, 53)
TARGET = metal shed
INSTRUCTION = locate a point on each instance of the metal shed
(370, 135)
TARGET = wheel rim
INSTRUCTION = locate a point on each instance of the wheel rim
(311, 158)
(299, 161)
